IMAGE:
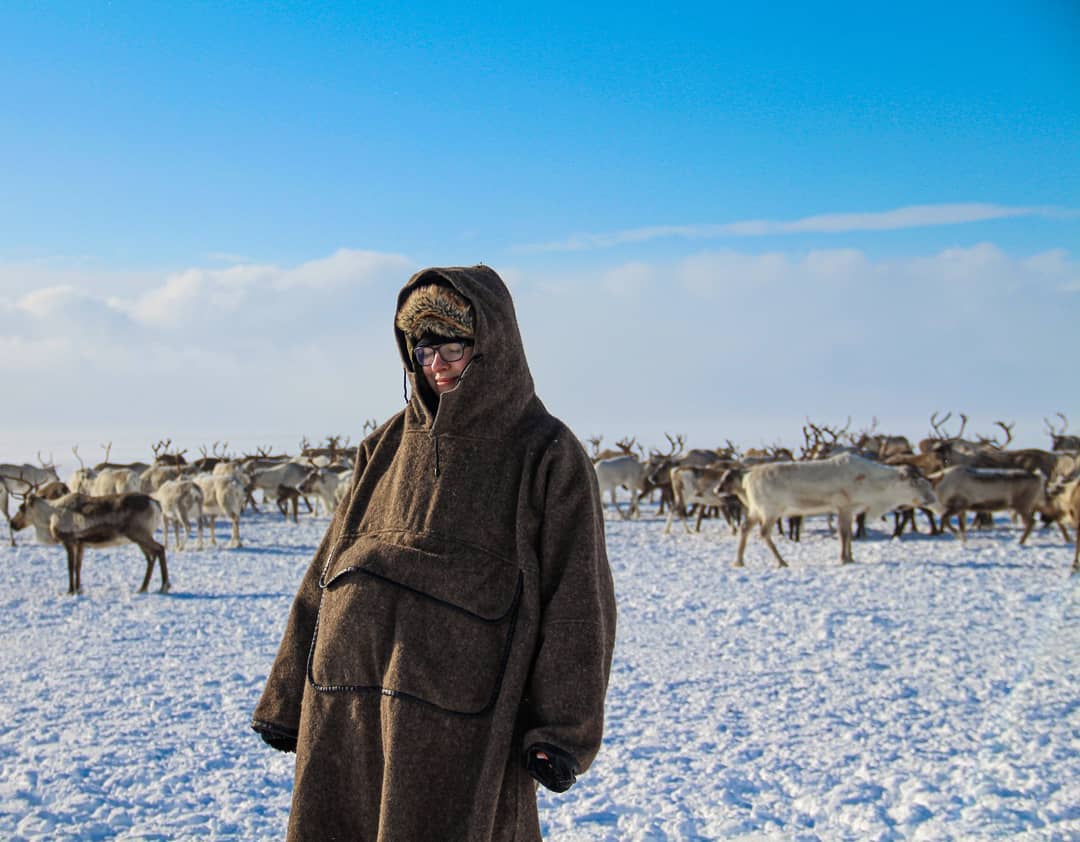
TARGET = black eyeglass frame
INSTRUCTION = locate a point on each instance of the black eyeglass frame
(422, 352)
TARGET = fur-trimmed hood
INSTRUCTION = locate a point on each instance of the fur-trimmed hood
(497, 386)
(435, 310)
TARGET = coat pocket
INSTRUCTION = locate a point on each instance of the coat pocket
(400, 619)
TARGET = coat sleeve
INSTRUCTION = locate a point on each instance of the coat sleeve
(564, 700)
(277, 715)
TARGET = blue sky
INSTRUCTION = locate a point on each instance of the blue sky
(685, 178)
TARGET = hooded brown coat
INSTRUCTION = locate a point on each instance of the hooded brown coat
(459, 611)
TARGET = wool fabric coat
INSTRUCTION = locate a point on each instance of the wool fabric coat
(458, 612)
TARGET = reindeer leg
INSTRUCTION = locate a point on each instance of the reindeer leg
(148, 554)
(843, 520)
(165, 584)
(235, 542)
(766, 533)
(79, 549)
(70, 552)
(1029, 524)
(670, 517)
(615, 503)
(744, 533)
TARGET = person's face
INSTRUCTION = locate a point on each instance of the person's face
(442, 376)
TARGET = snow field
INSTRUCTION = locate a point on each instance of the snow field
(928, 691)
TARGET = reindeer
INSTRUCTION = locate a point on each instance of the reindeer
(19, 479)
(625, 448)
(625, 471)
(695, 485)
(222, 495)
(77, 520)
(137, 467)
(844, 485)
(163, 457)
(323, 483)
(81, 480)
(208, 462)
(114, 481)
(180, 499)
(1059, 440)
(961, 488)
(658, 471)
(939, 433)
(881, 446)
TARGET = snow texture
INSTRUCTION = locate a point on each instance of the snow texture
(927, 692)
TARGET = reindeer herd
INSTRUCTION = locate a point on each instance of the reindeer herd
(854, 478)
(112, 503)
(851, 478)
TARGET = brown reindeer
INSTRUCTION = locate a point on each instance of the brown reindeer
(78, 520)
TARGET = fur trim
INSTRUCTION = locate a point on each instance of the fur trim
(435, 310)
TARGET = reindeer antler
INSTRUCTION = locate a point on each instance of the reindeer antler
(1008, 428)
(937, 425)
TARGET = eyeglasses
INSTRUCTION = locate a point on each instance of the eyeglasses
(450, 352)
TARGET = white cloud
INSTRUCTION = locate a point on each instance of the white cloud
(260, 296)
(727, 338)
(629, 279)
(714, 344)
(913, 216)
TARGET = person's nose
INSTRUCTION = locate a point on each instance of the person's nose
(439, 364)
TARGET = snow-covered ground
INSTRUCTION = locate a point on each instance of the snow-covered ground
(928, 691)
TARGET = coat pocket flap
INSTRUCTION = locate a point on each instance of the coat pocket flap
(460, 576)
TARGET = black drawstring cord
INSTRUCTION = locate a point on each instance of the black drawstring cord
(405, 384)
(436, 455)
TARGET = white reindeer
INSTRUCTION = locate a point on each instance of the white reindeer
(625, 471)
(181, 500)
(223, 496)
(846, 485)
(114, 481)
(18, 480)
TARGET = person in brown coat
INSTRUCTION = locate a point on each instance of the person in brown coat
(451, 641)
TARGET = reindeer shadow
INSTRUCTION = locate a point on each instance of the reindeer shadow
(182, 595)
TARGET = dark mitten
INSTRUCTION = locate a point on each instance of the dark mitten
(275, 737)
(557, 772)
